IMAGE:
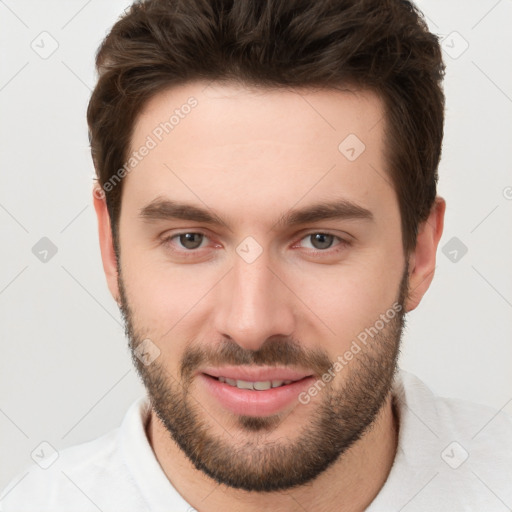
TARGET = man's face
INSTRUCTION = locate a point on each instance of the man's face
(255, 297)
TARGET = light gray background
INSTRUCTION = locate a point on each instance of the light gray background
(65, 372)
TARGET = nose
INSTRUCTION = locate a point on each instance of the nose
(257, 304)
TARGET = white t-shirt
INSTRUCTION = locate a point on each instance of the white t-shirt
(452, 456)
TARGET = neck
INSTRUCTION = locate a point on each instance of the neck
(350, 484)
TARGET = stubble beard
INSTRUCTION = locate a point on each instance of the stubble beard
(338, 417)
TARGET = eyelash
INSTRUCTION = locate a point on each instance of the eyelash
(342, 243)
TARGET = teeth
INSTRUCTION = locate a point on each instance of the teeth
(243, 384)
(259, 386)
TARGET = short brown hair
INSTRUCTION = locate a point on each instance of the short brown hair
(380, 45)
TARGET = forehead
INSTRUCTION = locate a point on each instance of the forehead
(229, 146)
(247, 115)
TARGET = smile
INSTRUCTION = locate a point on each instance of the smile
(258, 385)
(254, 391)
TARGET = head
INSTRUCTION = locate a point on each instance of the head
(267, 205)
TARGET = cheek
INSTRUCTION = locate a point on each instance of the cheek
(165, 298)
(349, 299)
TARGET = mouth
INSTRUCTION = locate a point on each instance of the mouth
(254, 391)
(261, 385)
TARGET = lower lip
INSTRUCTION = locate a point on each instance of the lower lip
(254, 403)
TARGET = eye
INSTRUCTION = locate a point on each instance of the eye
(323, 241)
(188, 241)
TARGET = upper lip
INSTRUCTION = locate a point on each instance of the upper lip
(255, 373)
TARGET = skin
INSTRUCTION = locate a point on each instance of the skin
(250, 156)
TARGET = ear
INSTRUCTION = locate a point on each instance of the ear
(108, 255)
(422, 260)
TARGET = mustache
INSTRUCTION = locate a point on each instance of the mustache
(275, 351)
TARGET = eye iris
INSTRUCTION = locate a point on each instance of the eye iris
(324, 240)
(187, 240)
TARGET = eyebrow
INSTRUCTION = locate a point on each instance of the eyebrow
(167, 209)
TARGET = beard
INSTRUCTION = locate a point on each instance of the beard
(338, 417)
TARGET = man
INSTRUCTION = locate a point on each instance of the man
(267, 215)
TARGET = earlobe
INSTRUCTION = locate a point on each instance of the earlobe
(108, 255)
(422, 260)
